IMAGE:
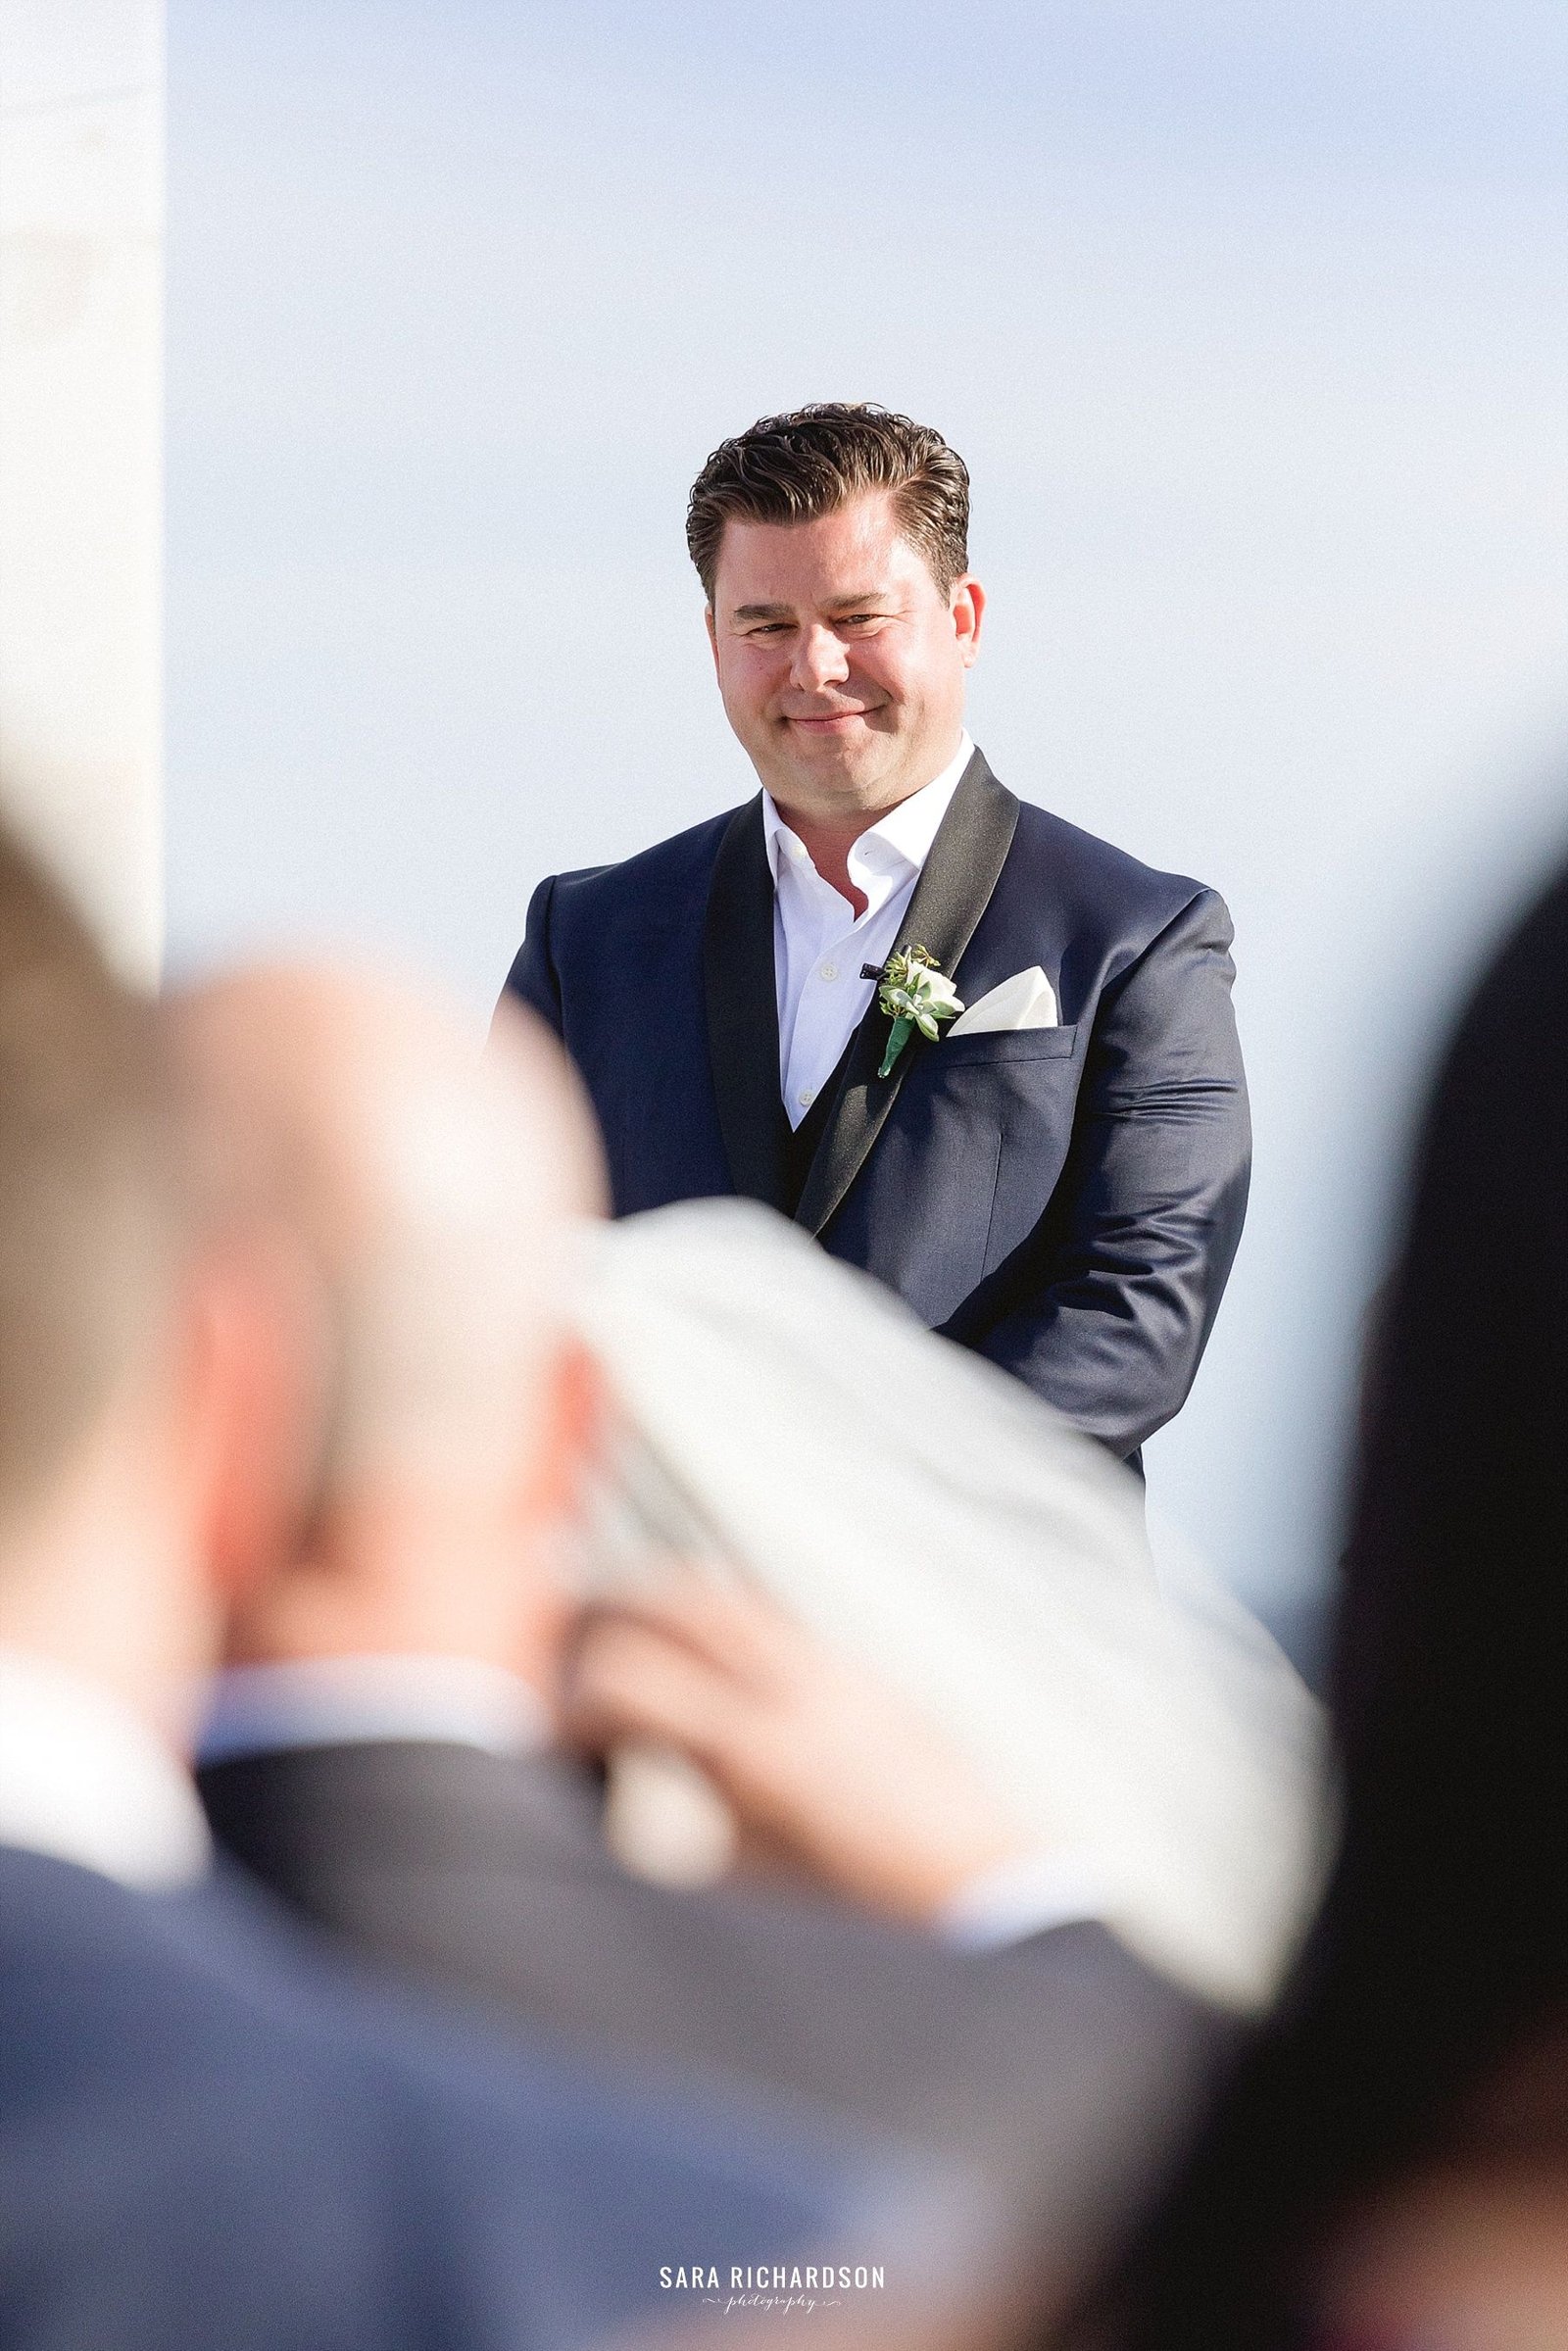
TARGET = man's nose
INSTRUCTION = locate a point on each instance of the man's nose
(819, 660)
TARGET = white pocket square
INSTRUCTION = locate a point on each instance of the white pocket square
(1025, 1002)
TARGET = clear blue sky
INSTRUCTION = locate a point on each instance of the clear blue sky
(1250, 322)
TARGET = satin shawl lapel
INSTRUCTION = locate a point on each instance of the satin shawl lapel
(742, 1000)
(951, 896)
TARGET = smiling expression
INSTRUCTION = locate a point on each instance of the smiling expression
(841, 663)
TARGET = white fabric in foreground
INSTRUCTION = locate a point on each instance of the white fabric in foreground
(927, 1514)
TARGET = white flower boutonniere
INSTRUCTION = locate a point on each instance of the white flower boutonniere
(914, 994)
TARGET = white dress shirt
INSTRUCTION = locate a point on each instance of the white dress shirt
(84, 1778)
(353, 1702)
(818, 943)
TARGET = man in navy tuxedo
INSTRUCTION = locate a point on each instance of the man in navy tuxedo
(210, 2133)
(1057, 1176)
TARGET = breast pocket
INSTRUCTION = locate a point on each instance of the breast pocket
(1008, 1045)
(975, 1145)
(1012, 1095)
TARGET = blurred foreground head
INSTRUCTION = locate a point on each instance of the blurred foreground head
(82, 1239)
(129, 1356)
(430, 1192)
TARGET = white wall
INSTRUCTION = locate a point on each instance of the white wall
(1250, 324)
(81, 451)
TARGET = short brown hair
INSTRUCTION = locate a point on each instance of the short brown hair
(792, 469)
(78, 1120)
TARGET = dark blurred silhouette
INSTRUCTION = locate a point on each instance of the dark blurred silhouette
(382, 1755)
(1412, 2094)
(208, 2135)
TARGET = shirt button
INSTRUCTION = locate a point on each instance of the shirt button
(807, 1097)
(829, 972)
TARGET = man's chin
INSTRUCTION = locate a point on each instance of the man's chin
(854, 764)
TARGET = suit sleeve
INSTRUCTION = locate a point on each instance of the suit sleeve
(533, 978)
(1127, 1267)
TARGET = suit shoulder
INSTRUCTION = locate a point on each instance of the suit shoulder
(683, 859)
(1091, 867)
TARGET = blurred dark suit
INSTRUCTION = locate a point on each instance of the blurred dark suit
(212, 2141)
(1442, 1942)
(1063, 2062)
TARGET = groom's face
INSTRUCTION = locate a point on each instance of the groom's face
(841, 662)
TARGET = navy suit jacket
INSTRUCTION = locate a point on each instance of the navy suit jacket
(1066, 1200)
(210, 2137)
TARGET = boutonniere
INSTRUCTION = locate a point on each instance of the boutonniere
(914, 993)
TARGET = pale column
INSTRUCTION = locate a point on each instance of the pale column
(82, 208)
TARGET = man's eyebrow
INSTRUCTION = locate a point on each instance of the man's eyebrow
(856, 603)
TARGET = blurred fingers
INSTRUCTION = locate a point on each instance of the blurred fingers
(736, 1630)
(630, 1679)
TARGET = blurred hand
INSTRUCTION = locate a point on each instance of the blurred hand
(824, 1767)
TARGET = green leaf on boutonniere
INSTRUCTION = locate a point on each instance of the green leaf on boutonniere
(913, 995)
(898, 1039)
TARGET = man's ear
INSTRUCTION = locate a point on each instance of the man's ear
(251, 1386)
(573, 1407)
(571, 1418)
(713, 635)
(966, 600)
